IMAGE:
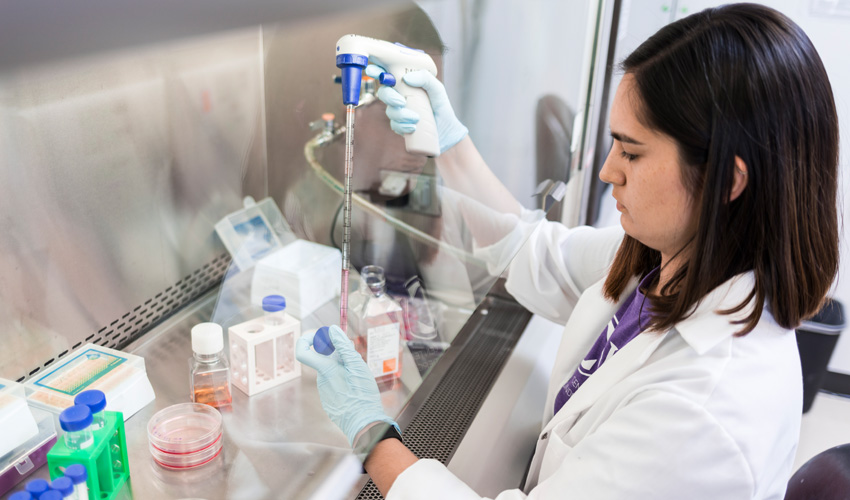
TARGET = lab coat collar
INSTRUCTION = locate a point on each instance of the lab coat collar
(704, 329)
(707, 327)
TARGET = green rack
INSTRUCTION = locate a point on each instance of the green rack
(106, 460)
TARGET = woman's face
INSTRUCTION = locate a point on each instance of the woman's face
(644, 169)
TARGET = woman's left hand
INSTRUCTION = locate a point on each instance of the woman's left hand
(347, 388)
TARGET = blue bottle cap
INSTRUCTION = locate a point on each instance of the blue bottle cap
(51, 495)
(94, 399)
(63, 485)
(75, 418)
(322, 342)
(77, 473)
(274, 303)
(21, 495)
(36, 487)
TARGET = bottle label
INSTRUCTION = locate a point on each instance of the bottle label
(382, 351)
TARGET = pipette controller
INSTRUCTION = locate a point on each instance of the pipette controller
(353, 52)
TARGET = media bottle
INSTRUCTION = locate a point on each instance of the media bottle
(375, 321)
(273, 306)
(210, 374)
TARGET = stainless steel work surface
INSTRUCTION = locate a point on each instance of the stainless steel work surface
(276, 444)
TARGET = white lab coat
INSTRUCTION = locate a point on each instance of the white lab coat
(693, 412)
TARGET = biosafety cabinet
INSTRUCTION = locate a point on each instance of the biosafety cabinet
(165, 164)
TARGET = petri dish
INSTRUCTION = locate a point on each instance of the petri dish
(183, 461)
(185, 435)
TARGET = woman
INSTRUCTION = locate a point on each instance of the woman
(678, 374)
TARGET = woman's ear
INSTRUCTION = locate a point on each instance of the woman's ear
(739, 181)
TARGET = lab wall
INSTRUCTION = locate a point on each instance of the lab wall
(504, 63)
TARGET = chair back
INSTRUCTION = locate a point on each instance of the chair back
(826, 476)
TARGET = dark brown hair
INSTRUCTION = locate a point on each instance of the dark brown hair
(742, 80)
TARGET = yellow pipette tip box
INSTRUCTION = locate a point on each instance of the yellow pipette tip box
(120, 376)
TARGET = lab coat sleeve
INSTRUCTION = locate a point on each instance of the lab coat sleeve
(499, 236)
(429, 479)
(660, 446)
(556, 265)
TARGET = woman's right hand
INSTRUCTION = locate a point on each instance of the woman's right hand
(450, 130)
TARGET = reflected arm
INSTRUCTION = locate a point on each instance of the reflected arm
(464, 170)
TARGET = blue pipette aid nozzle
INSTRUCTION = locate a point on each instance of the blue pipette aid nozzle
(352, 66)
(322, 341)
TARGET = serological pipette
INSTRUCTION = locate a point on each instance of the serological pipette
(346, 217)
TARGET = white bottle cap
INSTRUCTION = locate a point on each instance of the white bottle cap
(207, 338)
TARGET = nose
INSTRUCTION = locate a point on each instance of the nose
(610, 173)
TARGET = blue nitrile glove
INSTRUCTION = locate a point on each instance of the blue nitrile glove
(450, 130)
(347, 388)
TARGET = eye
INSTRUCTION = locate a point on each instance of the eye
(628, 156)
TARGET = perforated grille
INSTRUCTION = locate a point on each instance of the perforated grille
(132, 324)
(443, 419)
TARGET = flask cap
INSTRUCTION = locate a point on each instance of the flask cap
(51, 495)
(274, 303)
(322, 342)
(63, 485)
(75, 418)
(77, 473)
(207, 338)
(36, 487)
(373, 279)
(93, 398)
